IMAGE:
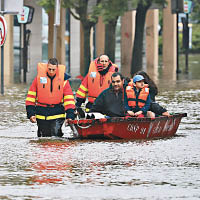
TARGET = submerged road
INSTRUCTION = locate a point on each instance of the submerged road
(47, 170)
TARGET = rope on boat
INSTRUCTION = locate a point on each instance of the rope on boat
(83, 127)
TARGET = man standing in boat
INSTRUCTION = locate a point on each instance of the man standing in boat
(97, 80)
(111, 101)
(46, 96)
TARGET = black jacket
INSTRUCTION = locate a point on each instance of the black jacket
(109, 103)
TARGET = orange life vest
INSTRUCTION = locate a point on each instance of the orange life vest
(132, 101)
(44, 94)
(94, 86)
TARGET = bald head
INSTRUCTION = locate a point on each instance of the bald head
(104, 60)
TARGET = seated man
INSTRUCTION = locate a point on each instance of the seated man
(111, 101)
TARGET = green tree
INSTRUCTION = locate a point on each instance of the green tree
(110, 10)
(48, 5)
(195, 19)
(141, 11)
(79, 10)
(195, 15)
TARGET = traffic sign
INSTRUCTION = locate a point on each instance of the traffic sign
(3, 30)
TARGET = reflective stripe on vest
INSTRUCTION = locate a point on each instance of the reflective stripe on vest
(50, 117)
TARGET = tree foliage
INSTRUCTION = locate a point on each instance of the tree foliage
(110, 10)
(195, 15)
(79, 10)
(46, 4)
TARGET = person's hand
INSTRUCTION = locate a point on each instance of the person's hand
(138, 113)
(66, 121)
(33, 119)
(131, 113)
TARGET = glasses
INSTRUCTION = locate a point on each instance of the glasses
(51, 69)
(102, 61)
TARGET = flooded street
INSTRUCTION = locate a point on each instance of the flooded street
(58, 170)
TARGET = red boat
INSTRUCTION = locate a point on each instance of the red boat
(128, 128)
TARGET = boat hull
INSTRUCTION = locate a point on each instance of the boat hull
(129, 128)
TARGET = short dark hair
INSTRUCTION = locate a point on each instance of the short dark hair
(53, 61)
(117, 74)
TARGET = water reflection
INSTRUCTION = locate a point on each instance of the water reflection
(49, 162)
(168, 71)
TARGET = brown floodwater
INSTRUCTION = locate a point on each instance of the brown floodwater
(48, 169)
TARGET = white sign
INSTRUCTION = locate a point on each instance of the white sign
(3, 30)
(187, 6)
(12, 6)
(23, 16)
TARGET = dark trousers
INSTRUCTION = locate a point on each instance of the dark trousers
(49, 128)
(156, 108)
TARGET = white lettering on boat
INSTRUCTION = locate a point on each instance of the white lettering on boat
(154, 127)
(157, 128)
(142, 131)
(169, 125)
(133, 127)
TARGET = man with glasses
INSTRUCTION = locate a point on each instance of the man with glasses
(50, 99)
(97, 80)
(111, 101)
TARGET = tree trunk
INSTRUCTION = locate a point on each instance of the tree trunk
(110, 30)
(136, 63)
